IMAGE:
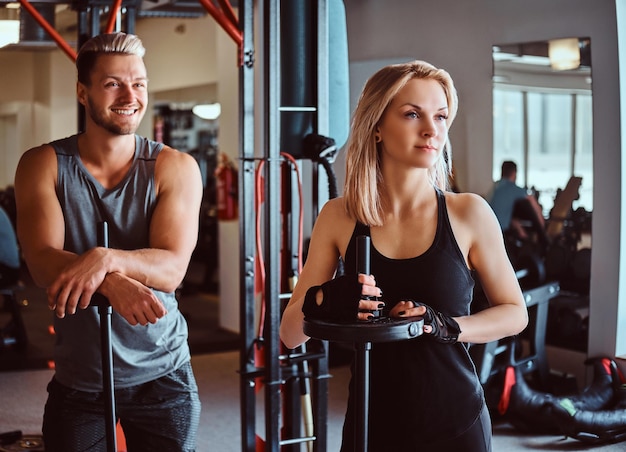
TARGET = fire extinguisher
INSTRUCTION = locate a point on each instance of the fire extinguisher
(226, 187)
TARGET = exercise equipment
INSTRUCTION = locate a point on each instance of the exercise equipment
(562, 206)
(558, 258)
(13, 333)
(16, 441)
(491, 359)
(301, 66)
(593, 426)
(530, 268)
(363, 334)
(595, 415)
(529, 410)
(568, 321)
(287, 121)
(323, 150)
(105, 311)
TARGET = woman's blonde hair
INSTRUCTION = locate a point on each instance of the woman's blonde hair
(363, 173)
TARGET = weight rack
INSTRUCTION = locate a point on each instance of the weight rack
(284, 373)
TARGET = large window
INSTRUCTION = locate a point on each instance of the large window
(549, 135)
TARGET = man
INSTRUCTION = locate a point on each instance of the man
(513, 205)
(149, 194)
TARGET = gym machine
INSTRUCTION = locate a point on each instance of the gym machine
(485, 355)
(490, 359)
(13, 333)
(283, 375)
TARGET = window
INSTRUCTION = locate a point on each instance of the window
(549, 135)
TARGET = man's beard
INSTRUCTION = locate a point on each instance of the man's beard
(106, 123)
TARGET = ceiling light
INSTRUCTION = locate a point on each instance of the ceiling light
(207, 111)
(564, 54)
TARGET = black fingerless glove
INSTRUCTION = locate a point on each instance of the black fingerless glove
(340, 303)
(445, 329)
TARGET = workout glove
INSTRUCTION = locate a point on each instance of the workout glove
(340, 303)
(444, 328)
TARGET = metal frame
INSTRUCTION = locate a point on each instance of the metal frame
(284, 374)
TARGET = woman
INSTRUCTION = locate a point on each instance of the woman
(427, 245)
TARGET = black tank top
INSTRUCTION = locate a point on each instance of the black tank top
(421, 391)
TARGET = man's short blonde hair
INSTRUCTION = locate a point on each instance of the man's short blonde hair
(109, 43)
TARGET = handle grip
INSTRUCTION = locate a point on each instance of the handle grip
(363, 247)
(363, 254)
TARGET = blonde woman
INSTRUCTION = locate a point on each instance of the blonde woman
(428, 245)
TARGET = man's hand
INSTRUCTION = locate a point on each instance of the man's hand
(77, 283)
(132, 300)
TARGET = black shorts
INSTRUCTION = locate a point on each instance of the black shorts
(163, 414)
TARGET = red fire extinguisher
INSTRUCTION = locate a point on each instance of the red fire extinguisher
(226, 187)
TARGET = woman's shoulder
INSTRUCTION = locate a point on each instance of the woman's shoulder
(333, 228)
(465, 202)
(469, 208)
(472, 209)
(334, 217)
(335, 210)
(334, 206)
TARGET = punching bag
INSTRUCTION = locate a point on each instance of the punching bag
(299, 70)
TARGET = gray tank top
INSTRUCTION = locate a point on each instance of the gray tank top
(140, 353)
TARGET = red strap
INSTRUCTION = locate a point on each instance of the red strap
(509, 382)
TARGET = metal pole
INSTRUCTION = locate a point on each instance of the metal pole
(105, 311)
(246, 227)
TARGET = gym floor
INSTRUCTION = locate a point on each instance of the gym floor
(25, 373)
(23, 396)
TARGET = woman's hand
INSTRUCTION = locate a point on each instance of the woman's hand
(441, 327)
(343, 299)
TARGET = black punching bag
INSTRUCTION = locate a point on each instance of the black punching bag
(299, 69)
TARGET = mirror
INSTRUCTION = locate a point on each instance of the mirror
(543, 121)
(542, 116)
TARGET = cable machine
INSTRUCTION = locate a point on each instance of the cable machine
(295, 102)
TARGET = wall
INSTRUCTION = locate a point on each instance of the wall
(16, 108)
(179, 52)
(228, 139)
(455, 35)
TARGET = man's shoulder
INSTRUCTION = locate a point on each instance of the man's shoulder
(507, 186)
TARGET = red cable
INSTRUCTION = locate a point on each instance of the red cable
(49, 29)
(117, 4)
(259, 357)
(259, 245)
(301, 213)
(221, 19)
(228, 11)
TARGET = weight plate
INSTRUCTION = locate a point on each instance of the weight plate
(32, 443)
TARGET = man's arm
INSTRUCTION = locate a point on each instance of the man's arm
(40, 223)
(173, 228)
(122, 276)
(162, 266)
